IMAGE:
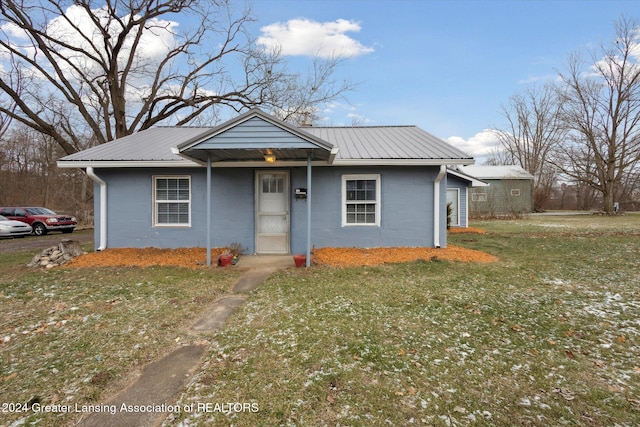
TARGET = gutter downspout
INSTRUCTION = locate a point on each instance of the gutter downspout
(436, 206)
(208, 209)
(309, 193)
(103, 208)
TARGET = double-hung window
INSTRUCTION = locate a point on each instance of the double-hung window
(172, 201)
(360, 200)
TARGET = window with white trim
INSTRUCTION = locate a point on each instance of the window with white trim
(172, 201)
(515, 192)
(360, 200)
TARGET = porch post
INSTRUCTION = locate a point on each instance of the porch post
(208, 209)
(309, 193)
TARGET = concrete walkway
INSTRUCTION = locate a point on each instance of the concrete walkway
(153, 395)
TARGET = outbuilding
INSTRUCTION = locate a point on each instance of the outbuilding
(510, 191)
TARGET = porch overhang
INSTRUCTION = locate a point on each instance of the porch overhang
(256, 139)
(253, 157)
(248, 138)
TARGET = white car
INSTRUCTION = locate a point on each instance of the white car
(10, 228)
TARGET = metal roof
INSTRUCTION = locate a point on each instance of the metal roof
(497, 172)
(149, 145)
(386, 143)
(370, 145)
(475, 182)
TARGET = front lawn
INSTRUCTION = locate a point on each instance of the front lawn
(549, 335)
(72, 336)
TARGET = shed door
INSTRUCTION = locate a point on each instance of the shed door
(272, 212)
(453, 197)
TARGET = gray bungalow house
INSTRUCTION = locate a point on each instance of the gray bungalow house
(270, 186)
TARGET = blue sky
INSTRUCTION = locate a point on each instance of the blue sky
(446, 66)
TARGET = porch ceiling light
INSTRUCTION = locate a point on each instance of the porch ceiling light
(269, 157)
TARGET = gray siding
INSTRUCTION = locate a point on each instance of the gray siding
(255, 133)
(406, 208)
(130, 209)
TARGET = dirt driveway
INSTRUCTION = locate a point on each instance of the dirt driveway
(36, 243)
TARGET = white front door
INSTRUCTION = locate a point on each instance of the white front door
(272, 212)
(453, 196)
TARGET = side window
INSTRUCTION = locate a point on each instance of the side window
(172, 201)
(7, 212)
(20, 212)
(360, 200)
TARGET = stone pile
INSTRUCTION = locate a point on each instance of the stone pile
(57, 255)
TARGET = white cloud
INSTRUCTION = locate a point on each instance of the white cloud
(306, 37)
(13, 31)
(479, 145)
(77, 30)
(154, 43)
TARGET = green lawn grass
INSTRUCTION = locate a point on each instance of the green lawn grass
(549, 335)
(72, 336)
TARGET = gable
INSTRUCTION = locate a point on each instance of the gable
(255, 133)
(251, 136)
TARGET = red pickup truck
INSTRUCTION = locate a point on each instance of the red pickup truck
(42, 220)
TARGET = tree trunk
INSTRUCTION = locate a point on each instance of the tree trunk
(71, 247)
(608, 198)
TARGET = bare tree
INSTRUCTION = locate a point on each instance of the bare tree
(533, 128)
(601, 107)
(499, 156)
(79, 72)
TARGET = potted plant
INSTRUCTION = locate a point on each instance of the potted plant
(225, 259)
(231, 254)
(300, 260)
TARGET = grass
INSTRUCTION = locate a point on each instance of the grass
(548, 335)
(72, 336)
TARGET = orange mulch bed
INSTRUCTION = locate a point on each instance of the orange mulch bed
(333, 257)
(466, 230)
(145, 257)
(353, 257)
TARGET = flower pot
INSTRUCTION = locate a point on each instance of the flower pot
(300, 260)
(225, 260)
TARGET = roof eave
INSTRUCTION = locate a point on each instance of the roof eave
(401, 162)
(189, 162)
(126, 163)
(475, 182)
